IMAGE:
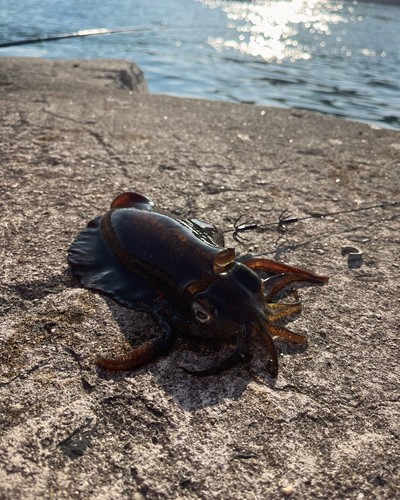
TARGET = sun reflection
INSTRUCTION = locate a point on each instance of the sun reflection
(278, 30)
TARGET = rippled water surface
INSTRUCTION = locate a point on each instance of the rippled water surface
(337, 58)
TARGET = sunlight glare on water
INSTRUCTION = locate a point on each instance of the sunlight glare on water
(347, 54)
(270, 29)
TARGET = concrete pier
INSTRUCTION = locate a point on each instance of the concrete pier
(74, 135)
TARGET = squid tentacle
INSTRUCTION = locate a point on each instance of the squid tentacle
(273, 284)
(279, 311)
(280, 331)
(273, 267)
(145, 353)
(262, 333)
(296, 296)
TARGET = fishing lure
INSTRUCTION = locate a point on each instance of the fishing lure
(178, 271)
(285, 220)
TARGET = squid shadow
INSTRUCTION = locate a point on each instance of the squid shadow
(191, 392)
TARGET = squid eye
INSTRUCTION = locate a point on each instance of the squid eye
(201, 314)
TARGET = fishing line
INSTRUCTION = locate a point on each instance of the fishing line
(287, 220)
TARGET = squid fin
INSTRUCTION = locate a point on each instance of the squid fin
(133, 200)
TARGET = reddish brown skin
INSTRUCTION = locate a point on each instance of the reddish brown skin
(178, 271)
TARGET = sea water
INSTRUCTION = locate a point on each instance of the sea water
(334, 57)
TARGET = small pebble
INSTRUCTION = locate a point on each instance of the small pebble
(355, 256)
(353, 253)
(346, 249)
(288, 490)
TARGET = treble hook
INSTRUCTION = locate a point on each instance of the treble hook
(247, 226)
(284, 221)
(240, 228)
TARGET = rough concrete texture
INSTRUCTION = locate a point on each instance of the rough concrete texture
(70, 76)
(327, 427)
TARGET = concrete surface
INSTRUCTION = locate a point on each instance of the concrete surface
(327, 427)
